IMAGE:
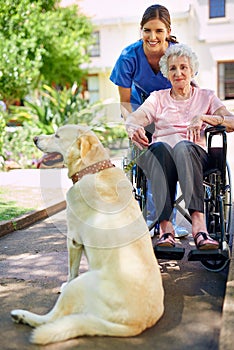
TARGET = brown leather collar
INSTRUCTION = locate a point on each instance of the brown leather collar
(92, 169)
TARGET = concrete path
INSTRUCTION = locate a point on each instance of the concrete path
(33, 266)
(199, 305)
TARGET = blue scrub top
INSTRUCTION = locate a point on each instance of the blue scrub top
(132, 70)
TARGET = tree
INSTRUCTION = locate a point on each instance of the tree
(40, 41)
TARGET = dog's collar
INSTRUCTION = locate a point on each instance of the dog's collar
(92, 169)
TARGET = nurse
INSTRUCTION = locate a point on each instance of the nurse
(137, 72)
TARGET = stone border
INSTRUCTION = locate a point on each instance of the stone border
(30, 218)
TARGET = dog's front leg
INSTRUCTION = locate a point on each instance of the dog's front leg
(74, 257)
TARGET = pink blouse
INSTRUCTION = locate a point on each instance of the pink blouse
(171, 117)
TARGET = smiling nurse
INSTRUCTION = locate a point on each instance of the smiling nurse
(137, 73)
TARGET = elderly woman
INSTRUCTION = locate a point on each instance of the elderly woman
(178, 148)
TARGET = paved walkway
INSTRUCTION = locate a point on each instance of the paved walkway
(33, 266)
(36, 290)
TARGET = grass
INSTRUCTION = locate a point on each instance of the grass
(10, 209)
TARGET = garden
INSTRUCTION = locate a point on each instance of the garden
(44, 47)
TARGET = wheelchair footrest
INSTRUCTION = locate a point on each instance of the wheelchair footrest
(214, 254)
(169, 253)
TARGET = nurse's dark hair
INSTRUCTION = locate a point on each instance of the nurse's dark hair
(158, 12)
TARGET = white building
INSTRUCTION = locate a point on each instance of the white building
(205, 25)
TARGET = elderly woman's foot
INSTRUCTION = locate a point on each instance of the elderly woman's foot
(203, 241)
(166, 240)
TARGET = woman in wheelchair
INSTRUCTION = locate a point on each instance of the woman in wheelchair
(178, 148)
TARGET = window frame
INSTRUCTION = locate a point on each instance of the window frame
(213, 7)
(223, 80)
(95, 48)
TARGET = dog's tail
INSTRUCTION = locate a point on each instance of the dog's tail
(73, 326)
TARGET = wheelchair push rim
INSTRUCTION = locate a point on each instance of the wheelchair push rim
(220, 264)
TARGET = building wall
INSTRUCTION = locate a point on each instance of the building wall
(212, 40)
(118, 23)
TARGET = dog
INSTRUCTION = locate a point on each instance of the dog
(121, 294)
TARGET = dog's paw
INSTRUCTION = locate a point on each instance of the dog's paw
(18, 316)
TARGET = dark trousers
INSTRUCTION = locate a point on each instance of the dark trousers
(165, 166)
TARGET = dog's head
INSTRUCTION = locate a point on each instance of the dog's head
(79, 146)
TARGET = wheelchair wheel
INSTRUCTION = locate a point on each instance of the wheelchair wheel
(139, 183)
(141, 195)
(218, 218)
(136, 176)
(215, 265)
(228, 206)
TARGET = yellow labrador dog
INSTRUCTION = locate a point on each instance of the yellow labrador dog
(121, 295)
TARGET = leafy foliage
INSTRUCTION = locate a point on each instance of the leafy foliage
(48, 109)
(2, 129)
(19, 147)
(40, 41)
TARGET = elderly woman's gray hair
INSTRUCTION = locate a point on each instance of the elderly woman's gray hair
(178, 50)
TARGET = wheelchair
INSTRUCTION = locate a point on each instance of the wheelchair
(217, 202)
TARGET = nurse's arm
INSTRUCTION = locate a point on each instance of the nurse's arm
(125, 104)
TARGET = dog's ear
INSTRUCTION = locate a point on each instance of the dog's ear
(87, 142)
(85, 151)
(90, 148)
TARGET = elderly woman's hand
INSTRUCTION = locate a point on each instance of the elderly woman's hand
(137, 134)
(194, 128)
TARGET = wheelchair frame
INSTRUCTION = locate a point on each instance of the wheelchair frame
(217, 204)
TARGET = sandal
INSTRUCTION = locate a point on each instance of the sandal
(166, 240)
(206, 242)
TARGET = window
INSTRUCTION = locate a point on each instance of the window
(91, 88)
(226, 80)
(217, 8)
(94, 50)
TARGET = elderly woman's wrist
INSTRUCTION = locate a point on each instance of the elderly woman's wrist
(213, 119)
(221, 119)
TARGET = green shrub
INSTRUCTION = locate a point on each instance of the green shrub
(2, 130)
(44, 112)
(19, 147)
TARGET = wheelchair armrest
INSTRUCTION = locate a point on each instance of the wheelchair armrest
(215, 129)
(218, 153)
